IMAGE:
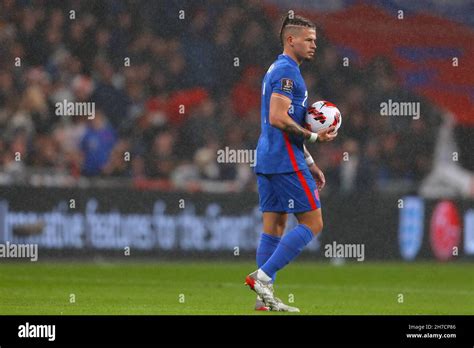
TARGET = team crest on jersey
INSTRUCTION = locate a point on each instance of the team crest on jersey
(287, 85)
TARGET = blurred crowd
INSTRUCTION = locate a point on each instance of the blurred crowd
(172, 83)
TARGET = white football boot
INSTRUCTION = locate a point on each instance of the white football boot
(260, 305)
(263, 289)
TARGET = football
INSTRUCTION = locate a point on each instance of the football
(321, 115)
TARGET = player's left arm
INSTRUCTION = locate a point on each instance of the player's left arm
(314, 169)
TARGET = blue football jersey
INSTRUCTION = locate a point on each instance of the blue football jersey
(277, 151)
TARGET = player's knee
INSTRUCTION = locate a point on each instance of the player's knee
(316, 226)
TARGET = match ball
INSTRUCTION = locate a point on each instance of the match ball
(321, 115)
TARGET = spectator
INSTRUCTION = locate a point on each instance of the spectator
(183, 93)
(97, 144)
(119, 163)
(248, 89)
(160, 159)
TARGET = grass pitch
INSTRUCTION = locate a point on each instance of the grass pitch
(217, 288)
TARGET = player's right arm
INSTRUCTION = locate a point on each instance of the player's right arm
(279, 118)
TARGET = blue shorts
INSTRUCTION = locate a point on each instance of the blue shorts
(288, 192)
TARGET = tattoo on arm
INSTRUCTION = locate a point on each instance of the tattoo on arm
(287, 124)
(296, 129)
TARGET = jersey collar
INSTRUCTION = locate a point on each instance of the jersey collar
(288, 58)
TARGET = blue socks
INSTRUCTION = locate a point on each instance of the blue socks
(267, 246)
(288, 249)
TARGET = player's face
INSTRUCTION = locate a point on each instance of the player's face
(305, 44)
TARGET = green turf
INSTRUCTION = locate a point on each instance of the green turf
(217, 288)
